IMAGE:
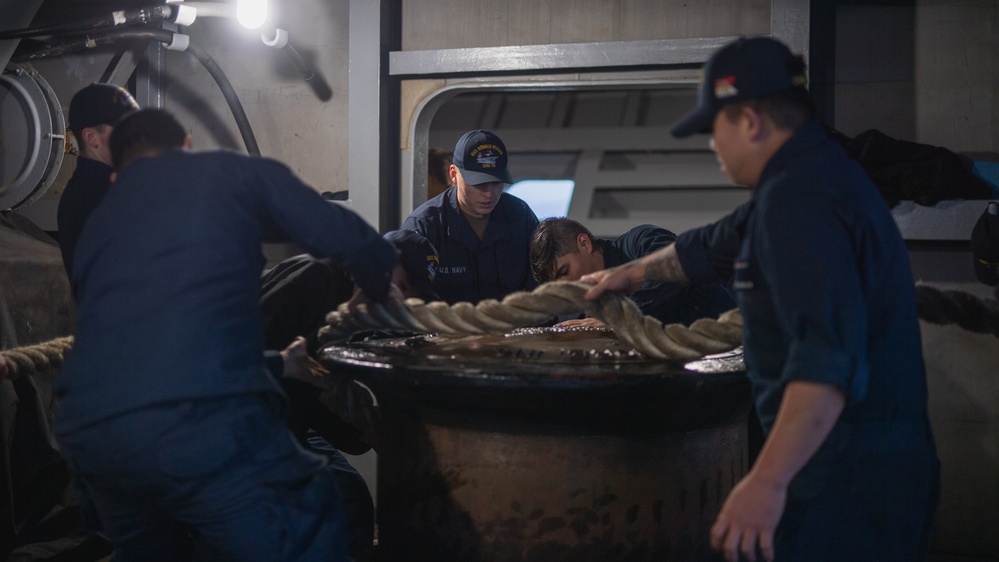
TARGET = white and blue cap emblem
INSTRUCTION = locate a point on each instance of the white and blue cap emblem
(482, 158)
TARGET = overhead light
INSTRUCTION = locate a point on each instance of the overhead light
(251, 13)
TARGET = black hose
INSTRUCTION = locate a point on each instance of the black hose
(83, 42)
(298, 62)
(278, 38)
(230, 97)
(163, 36)
(150, 14)
(315, 81)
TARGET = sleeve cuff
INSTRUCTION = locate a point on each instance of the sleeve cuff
(375, 274)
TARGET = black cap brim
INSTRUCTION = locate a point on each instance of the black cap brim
(700, 120)
(986, 273)
(475, 178)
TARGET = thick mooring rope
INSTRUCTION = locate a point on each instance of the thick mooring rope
(523, 309)
(955, 307)
(518, 310)
(648, 335)
(31, 359)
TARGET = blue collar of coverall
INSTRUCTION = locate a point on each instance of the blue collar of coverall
(809, 136)
(613, 257)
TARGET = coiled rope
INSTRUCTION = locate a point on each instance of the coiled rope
(524, 309)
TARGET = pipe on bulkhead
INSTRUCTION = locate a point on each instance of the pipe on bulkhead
(281, 42)
(152, 14)
(173, 41)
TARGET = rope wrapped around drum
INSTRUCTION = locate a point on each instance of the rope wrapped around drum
(648, 335)
(525, 309)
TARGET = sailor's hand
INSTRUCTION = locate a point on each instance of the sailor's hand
(299, 365)
(395, 293)
(748, 520)
(361, 298)
(343, 396)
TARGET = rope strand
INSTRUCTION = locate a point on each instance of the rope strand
(31, 359)
(937, 306)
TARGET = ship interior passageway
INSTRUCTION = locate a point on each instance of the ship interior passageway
(478, 430)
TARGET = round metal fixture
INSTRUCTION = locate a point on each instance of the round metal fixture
(32, 137)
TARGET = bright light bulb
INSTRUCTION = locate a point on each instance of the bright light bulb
(251, 13)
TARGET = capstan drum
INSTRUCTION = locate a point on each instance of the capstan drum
(546, 445)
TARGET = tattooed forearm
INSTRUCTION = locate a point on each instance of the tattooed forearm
(665, 266)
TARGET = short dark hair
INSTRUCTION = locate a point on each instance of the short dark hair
(439, 165)
(554, 238)
(145, 132)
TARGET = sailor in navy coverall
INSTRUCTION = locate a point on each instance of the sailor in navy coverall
(93, 112)
(832, 347)
(564, 249)
(166, 411)
(481, 233)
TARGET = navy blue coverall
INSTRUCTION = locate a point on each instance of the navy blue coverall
(83, 192)
(167, 414)
(471, 269)
(823, 281)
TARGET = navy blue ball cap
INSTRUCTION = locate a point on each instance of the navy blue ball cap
(420, 260)
(99, 104)
(985, 245)
(745, 69)
(481, 157)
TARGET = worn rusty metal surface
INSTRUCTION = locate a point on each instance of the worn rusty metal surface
(491, 455)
